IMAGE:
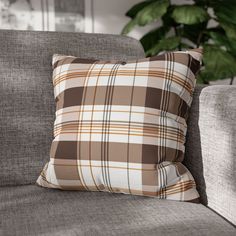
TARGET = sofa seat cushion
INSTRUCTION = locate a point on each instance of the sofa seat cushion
(30, 210)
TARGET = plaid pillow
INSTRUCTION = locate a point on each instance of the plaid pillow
(120, 126)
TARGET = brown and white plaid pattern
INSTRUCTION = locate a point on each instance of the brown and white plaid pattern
(120, 126)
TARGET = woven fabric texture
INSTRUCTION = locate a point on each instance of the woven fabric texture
(120, 126)
(27, 105)
(33, 211)
(212, 135)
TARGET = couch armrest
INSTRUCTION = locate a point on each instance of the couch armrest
(211, 148)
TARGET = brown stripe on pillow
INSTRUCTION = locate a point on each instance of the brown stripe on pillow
(153, 98)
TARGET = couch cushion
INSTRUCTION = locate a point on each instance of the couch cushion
(26, 92)
(120, 126)
(30, 210)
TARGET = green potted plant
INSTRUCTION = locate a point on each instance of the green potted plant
(210, 24)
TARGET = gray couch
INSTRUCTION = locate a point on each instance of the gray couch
(26, 123)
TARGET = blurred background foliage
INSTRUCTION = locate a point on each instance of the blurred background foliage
(210, 24)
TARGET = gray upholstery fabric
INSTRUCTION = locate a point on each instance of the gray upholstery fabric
(26, 122)
(31, 210)
(26, 93)
(211, 147)
(193, 152)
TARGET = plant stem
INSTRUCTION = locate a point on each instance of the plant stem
(177, 34)
(199, 39)
(175, 29)
(231, 81)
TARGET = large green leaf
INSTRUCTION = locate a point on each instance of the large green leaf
(225, 10)
(230, 30)
(137, 8)
(148, 14)
(166, 44)
(189, 14)
(129, 26)
(152, 12)
(219, 64)
(152, 37)
(217, 35)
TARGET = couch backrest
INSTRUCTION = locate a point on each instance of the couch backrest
(26, 92)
